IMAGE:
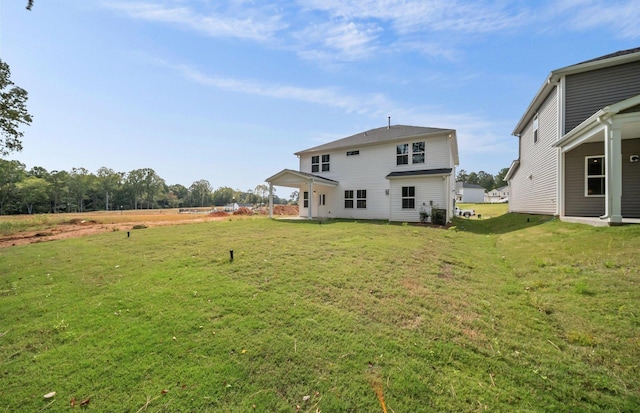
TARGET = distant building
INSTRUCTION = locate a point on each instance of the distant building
(497, 195)
(466, 192)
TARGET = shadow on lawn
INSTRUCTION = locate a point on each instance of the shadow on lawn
(499, 225)
(502, 224)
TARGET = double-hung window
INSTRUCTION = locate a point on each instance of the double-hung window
(418, 152)
(305, 197)
(408, 197)
(594, 176)
(348, 198)
(315, 163)
(325, 163)
(361, 198)
(402, 154)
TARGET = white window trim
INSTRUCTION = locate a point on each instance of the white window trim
(587, 176)
(536, 133)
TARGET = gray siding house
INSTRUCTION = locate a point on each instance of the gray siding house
(579, 144)
(392, 173)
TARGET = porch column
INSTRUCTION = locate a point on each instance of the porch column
(270, 200)
(613, 157)
(310, 202)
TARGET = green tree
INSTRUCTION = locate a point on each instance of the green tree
(177, 196)
(58, 190)
(499, 178)
(11, 174)
(153, 186)
(293, 198)
(13, 112)
(79, 183)
(262, 191)
(109, 182)
(201, 192)
(472, 178)
(224, 196)
(34, 191)
(462, 176)
(486, 180)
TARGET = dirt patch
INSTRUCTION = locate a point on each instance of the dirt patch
(80, 227)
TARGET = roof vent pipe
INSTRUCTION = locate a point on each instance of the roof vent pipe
(389, 127)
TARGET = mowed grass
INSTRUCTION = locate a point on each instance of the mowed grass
(514, 313)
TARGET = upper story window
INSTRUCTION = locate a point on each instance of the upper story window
(594, 176)
(535, 129)
(418, 152)
(315, 163)
(353, 153)
(402, 154)
(325, 163)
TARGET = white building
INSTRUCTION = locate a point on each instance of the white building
(466, 192)
(391, 173)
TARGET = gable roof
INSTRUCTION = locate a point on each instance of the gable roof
(463, 184)
(608, 60)
(379, 135)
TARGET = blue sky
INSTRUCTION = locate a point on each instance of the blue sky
(228, 91)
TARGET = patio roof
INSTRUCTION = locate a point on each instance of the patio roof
(293, 179)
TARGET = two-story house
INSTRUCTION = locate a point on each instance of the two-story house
(466, 192)
(391, 173)
(579, 144)
(497, 195)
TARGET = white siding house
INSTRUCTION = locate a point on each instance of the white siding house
(579, 156)
(497, 195)
(391, 173)
(466, 192)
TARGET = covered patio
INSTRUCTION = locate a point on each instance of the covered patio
(599, 167)
(304, 182)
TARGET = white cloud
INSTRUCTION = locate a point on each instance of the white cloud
(254, 27)
(408, 16)
(331, 97)
(620, 17)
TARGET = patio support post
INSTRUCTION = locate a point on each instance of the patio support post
(270, 200)
(613, 152)
(309, 214)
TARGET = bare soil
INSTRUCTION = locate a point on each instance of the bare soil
(80, 227)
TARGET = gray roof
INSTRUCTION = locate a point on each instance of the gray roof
(384, 134)
(461, 184)
(610, 55)
(611, 59)
(440, 171)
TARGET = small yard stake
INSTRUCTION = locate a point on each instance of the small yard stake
(231, 255)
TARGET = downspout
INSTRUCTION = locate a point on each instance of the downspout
(607, 136)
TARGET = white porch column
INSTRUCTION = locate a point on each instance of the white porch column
(310, 202)
(270, 200)
(613, 152)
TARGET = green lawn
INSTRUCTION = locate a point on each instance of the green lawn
(513, 313)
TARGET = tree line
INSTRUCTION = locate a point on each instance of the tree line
(484, 179)
(78, 190)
